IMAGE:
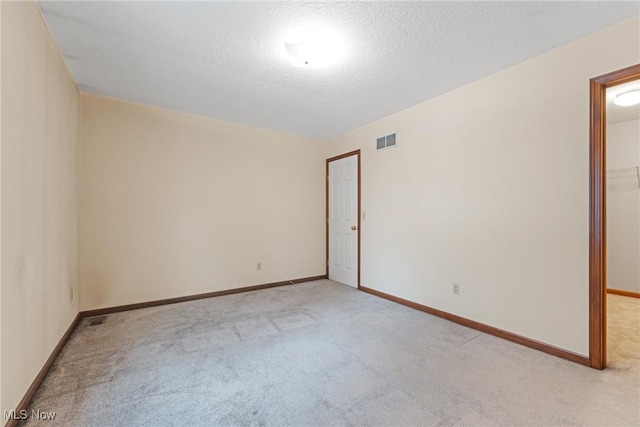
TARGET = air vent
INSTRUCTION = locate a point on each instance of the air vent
(388, 141)
(97, 320)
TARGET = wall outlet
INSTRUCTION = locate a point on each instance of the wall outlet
(259, 266)
(455, 288)
(71, 294)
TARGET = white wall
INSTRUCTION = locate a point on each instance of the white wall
(489, 188)
(623, 208)
(173, 204)
(39, 198)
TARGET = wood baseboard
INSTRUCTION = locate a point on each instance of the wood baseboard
(28, 396)
(136, 306)
(555, 351)
(623, 293)
(26, 400)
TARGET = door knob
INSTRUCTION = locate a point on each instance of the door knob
(354, 227)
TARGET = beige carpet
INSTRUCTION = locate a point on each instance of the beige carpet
(318, 354)
(623, 331)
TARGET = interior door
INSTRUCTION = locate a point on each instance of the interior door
(343, 220)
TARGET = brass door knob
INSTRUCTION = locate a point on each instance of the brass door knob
(354, 227)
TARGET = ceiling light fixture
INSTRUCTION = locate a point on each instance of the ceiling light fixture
(313, 47)
(628, 98)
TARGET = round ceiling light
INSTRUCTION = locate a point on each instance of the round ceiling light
(628, 98)
(313, 47)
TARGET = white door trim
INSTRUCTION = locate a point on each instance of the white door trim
(359, 214)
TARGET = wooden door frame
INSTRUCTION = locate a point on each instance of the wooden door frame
(598, 212)
(329, 160)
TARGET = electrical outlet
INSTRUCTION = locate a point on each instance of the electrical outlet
(71, 294)
(455, 288)
(259, 266)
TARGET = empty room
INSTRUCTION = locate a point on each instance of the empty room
(301, 213)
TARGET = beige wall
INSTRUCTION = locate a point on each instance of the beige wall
(173, 204)
(39, 198)
(489, 188)
(623, 208)
(1, 387)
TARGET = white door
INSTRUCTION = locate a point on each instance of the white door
(343, 220)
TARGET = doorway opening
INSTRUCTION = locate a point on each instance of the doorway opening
(598, 210)
(343, 218)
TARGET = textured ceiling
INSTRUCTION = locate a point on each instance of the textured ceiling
(223, 59)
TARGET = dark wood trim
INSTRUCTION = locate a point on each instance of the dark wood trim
(28, 396)
(326, 217)
(342, 156)
(359, 217)
(500, 333)
(597, 211)
(329, 160)
(616, 78)
(136, 306)
(623, 293)
(597, 241)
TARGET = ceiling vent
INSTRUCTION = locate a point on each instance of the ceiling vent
(388, 141)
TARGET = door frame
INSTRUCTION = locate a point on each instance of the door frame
(329, 160)
(598, 212)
